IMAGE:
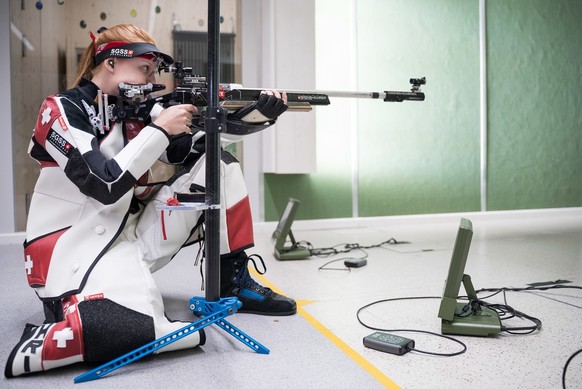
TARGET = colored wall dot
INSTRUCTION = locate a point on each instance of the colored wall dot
(103, 15)
(158, 9)
(38, 5)
(133, 13)
(83, 24)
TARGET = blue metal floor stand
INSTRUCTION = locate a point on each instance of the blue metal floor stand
(210, 313)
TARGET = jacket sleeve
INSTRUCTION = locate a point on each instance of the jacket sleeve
(184, 148)
(64, 136)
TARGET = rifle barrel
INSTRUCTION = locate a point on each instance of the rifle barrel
(336, 93)
(236, 97)
(386, 95)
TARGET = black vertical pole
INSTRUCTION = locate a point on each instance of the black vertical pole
(214, 124)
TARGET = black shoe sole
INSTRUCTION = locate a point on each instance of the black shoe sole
(263, 313)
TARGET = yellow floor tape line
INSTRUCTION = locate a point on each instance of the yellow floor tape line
(350, 352)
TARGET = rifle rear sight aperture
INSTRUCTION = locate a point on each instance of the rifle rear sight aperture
(180, 71)
(417, 82)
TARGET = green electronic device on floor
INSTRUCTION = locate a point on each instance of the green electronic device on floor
(464, 318)
(283, 250)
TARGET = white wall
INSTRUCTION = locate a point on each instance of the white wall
(7, 220)
(278, 51)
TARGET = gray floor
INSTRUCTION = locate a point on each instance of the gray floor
(322, 346)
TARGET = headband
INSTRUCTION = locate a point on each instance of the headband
(130, 50)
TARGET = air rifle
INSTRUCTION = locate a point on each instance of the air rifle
(135, 101)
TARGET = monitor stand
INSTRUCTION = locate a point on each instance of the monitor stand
(483, 322)
(293, 251)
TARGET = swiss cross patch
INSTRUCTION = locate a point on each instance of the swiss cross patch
(49, 112)
(59, 142)
(64, 340)
(37, 258)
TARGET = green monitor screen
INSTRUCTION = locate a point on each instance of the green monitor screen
(456, 317)
(284, 251)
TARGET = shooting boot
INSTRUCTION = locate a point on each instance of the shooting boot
(236, 281)
(44, 347)
(26, 355)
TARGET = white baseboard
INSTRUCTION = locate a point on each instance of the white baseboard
(266, 227)
(323, 224)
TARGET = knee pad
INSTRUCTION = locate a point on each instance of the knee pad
(111, 330)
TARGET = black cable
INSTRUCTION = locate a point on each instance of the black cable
(503, 309)
(535, 320)
(566, 367)
(410, 330)
(345, 247)
(506, 309)
(529, 288)
(341, 248)
(506, 312)
(323, 267)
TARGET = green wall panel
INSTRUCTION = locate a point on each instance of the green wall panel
(535, 120)
(414, 157)
(419, 157)
(423, 157)
(321, 196)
